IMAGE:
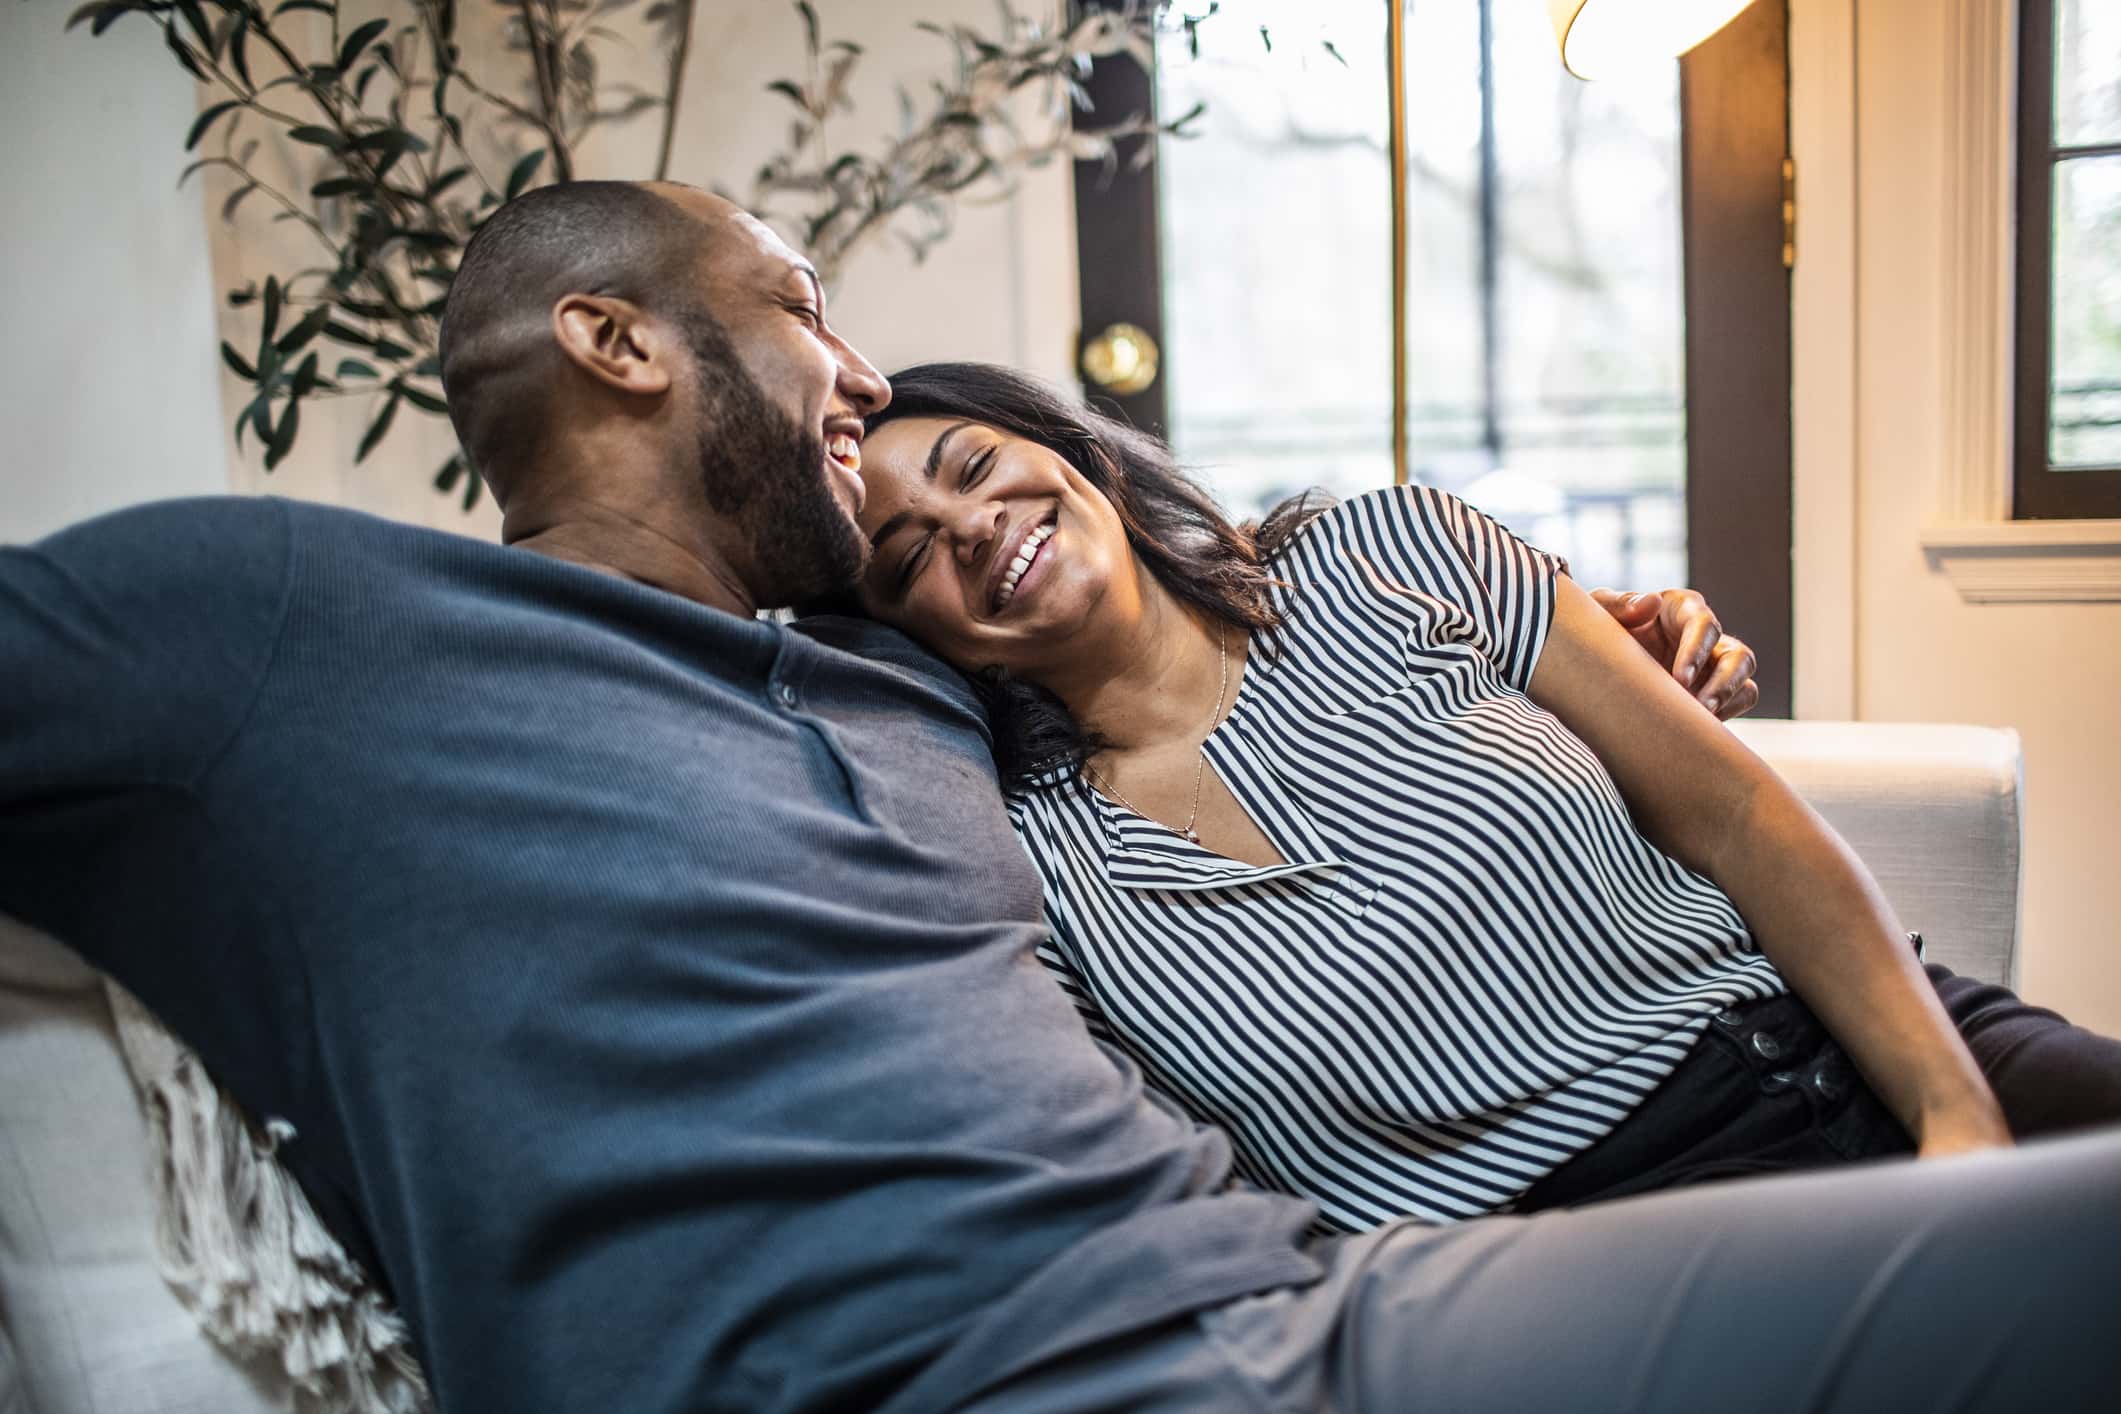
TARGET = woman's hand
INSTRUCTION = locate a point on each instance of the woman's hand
(1678, 629)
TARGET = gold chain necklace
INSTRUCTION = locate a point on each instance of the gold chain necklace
(1200, 763)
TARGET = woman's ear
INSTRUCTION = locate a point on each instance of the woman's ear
(615, 342)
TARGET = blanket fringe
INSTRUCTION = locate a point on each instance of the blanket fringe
(244, 1251)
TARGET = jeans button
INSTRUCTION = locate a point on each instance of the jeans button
(1730, 1017)
(1828, 1084)
(1767, 1046)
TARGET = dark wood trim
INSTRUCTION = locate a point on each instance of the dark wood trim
(1734, 123)
(2038, 491)
(1116, 223)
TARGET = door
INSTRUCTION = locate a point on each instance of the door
(1596, 319)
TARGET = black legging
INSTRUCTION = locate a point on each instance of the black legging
(1768, 1090)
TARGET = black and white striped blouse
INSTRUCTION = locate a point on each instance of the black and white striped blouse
(1471, 966)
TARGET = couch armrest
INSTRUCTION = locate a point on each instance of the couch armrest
(1933, 810)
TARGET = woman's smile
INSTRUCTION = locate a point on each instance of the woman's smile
(1026, 569)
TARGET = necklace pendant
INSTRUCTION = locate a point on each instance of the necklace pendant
(1193, 836)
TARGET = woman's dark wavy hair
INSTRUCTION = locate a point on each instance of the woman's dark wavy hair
(1216, 568)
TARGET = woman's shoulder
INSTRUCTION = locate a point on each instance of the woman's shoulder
(1381, 516)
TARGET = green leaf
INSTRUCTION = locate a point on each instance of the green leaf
(386, 347)
(238, 53)
(395, 141)
(787, 89)
(317, 137)
(519, 176)
(445, 181)
(306, 376)
(108, 17)
(235, 199)
(376, 429)
(471, 491)
(196, 18)
(318, 5)
(419, 398)
(206, 119)
(339, 186)
(184, 54)
(305, 329)
(359, 40)
(452, 471)
(272, 306)
(94, 10)
(343, 334)
(803, 8)
(283, 437)
(354, 368)
(261, 415)
(242, 366)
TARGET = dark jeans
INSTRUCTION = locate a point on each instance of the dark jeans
(1767, 1090)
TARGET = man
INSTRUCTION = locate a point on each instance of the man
(650, 988)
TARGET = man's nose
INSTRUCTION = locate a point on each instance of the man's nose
(867, 389)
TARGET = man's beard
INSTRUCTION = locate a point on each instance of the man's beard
(767, 475)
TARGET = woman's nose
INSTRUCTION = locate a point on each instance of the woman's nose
(977, 526)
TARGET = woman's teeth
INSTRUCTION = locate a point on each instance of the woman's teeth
(1024, 557)
(846, 451)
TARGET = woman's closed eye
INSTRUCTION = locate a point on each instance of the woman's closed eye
(976, 467)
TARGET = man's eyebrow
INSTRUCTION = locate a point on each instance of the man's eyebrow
(817, 286)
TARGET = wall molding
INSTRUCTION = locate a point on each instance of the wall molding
(1988, 556)
(2029, 561)
(1823, 368)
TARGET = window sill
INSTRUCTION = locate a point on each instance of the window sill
(2029, 561)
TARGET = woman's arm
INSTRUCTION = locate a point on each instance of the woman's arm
(1712, 805)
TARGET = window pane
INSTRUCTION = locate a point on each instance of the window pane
(2087, 71)
(1277, 276)
(1591, 357)
(1277, 252)
(2085, 410)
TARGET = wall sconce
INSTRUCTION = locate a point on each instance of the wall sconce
(1604, 38)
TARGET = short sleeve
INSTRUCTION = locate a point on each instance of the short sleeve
(1425, 544)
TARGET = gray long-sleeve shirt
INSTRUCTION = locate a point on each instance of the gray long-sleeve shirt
(651, 990)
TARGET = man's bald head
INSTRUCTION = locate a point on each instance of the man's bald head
(645, 244)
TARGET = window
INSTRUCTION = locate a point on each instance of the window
(2067, 439)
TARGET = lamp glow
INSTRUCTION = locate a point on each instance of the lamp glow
(1602, 39)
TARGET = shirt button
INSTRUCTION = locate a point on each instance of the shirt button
(1767, 1046)
(1827, 1084)
(786, 694)
(1779, 1081)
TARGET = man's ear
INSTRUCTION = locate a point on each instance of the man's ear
(615, 342)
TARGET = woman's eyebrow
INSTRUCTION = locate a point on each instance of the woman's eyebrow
(935, 453)
(929, 468)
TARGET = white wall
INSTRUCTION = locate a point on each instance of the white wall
(1918, 651)
(109, 379)
(1001, 288)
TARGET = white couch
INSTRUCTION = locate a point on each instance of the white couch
(87, 1327)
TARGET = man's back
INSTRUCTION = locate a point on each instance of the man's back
(649, 988)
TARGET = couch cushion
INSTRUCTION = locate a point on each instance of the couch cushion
(87, 1325)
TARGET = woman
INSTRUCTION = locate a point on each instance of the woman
(1378, 843)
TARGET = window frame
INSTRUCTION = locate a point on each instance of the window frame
(2038, 490)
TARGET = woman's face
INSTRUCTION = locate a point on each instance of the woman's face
(989, 548)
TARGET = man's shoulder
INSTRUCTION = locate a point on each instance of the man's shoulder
(890, 650)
